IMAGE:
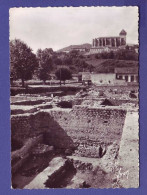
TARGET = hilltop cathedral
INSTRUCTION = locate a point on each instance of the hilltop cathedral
(107, 44)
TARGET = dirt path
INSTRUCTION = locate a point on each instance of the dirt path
(128, 153)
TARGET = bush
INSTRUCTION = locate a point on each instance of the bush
(63, 74)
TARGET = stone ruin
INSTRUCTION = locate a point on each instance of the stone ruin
(78, 141)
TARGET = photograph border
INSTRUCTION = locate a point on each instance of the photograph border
(5, 144)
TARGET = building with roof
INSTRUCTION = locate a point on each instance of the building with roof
(133, 47)
(121, 76)
(107, 44)
(103, 78)
(127, 74)
(81, 49)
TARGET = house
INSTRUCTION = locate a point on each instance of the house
(103, 78)
(127, 74)
(86, 78)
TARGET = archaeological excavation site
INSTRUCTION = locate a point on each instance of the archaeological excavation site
(82, 137)
(74, 97)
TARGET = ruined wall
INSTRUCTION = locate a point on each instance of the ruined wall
(88, 129)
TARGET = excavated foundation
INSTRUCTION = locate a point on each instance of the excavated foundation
(71, 133)
(67, 148)
(87, 140)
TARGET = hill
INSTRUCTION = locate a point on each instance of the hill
(108, 65)
(72, 47)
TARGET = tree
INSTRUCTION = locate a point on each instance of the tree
(45, 63)
(74, 53)
(57, 61)
(23, 61)
(111, 55)
(67, 60)
(63, 74)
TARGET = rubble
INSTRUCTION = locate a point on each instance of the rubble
(80, 138)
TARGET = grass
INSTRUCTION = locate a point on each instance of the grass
(108, 65)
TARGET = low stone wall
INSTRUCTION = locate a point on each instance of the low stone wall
(128, 158)
(18, 157)
(115, 102)
(81, 128)
(43, 89)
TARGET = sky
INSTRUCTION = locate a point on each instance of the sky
(60, 27)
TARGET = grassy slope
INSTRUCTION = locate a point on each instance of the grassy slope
(108, 65)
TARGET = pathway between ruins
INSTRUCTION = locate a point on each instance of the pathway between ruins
(129, 152)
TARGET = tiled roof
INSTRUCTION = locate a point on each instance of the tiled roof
(123, 32)
(127, 70)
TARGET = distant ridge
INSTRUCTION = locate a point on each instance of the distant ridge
(71, 47)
